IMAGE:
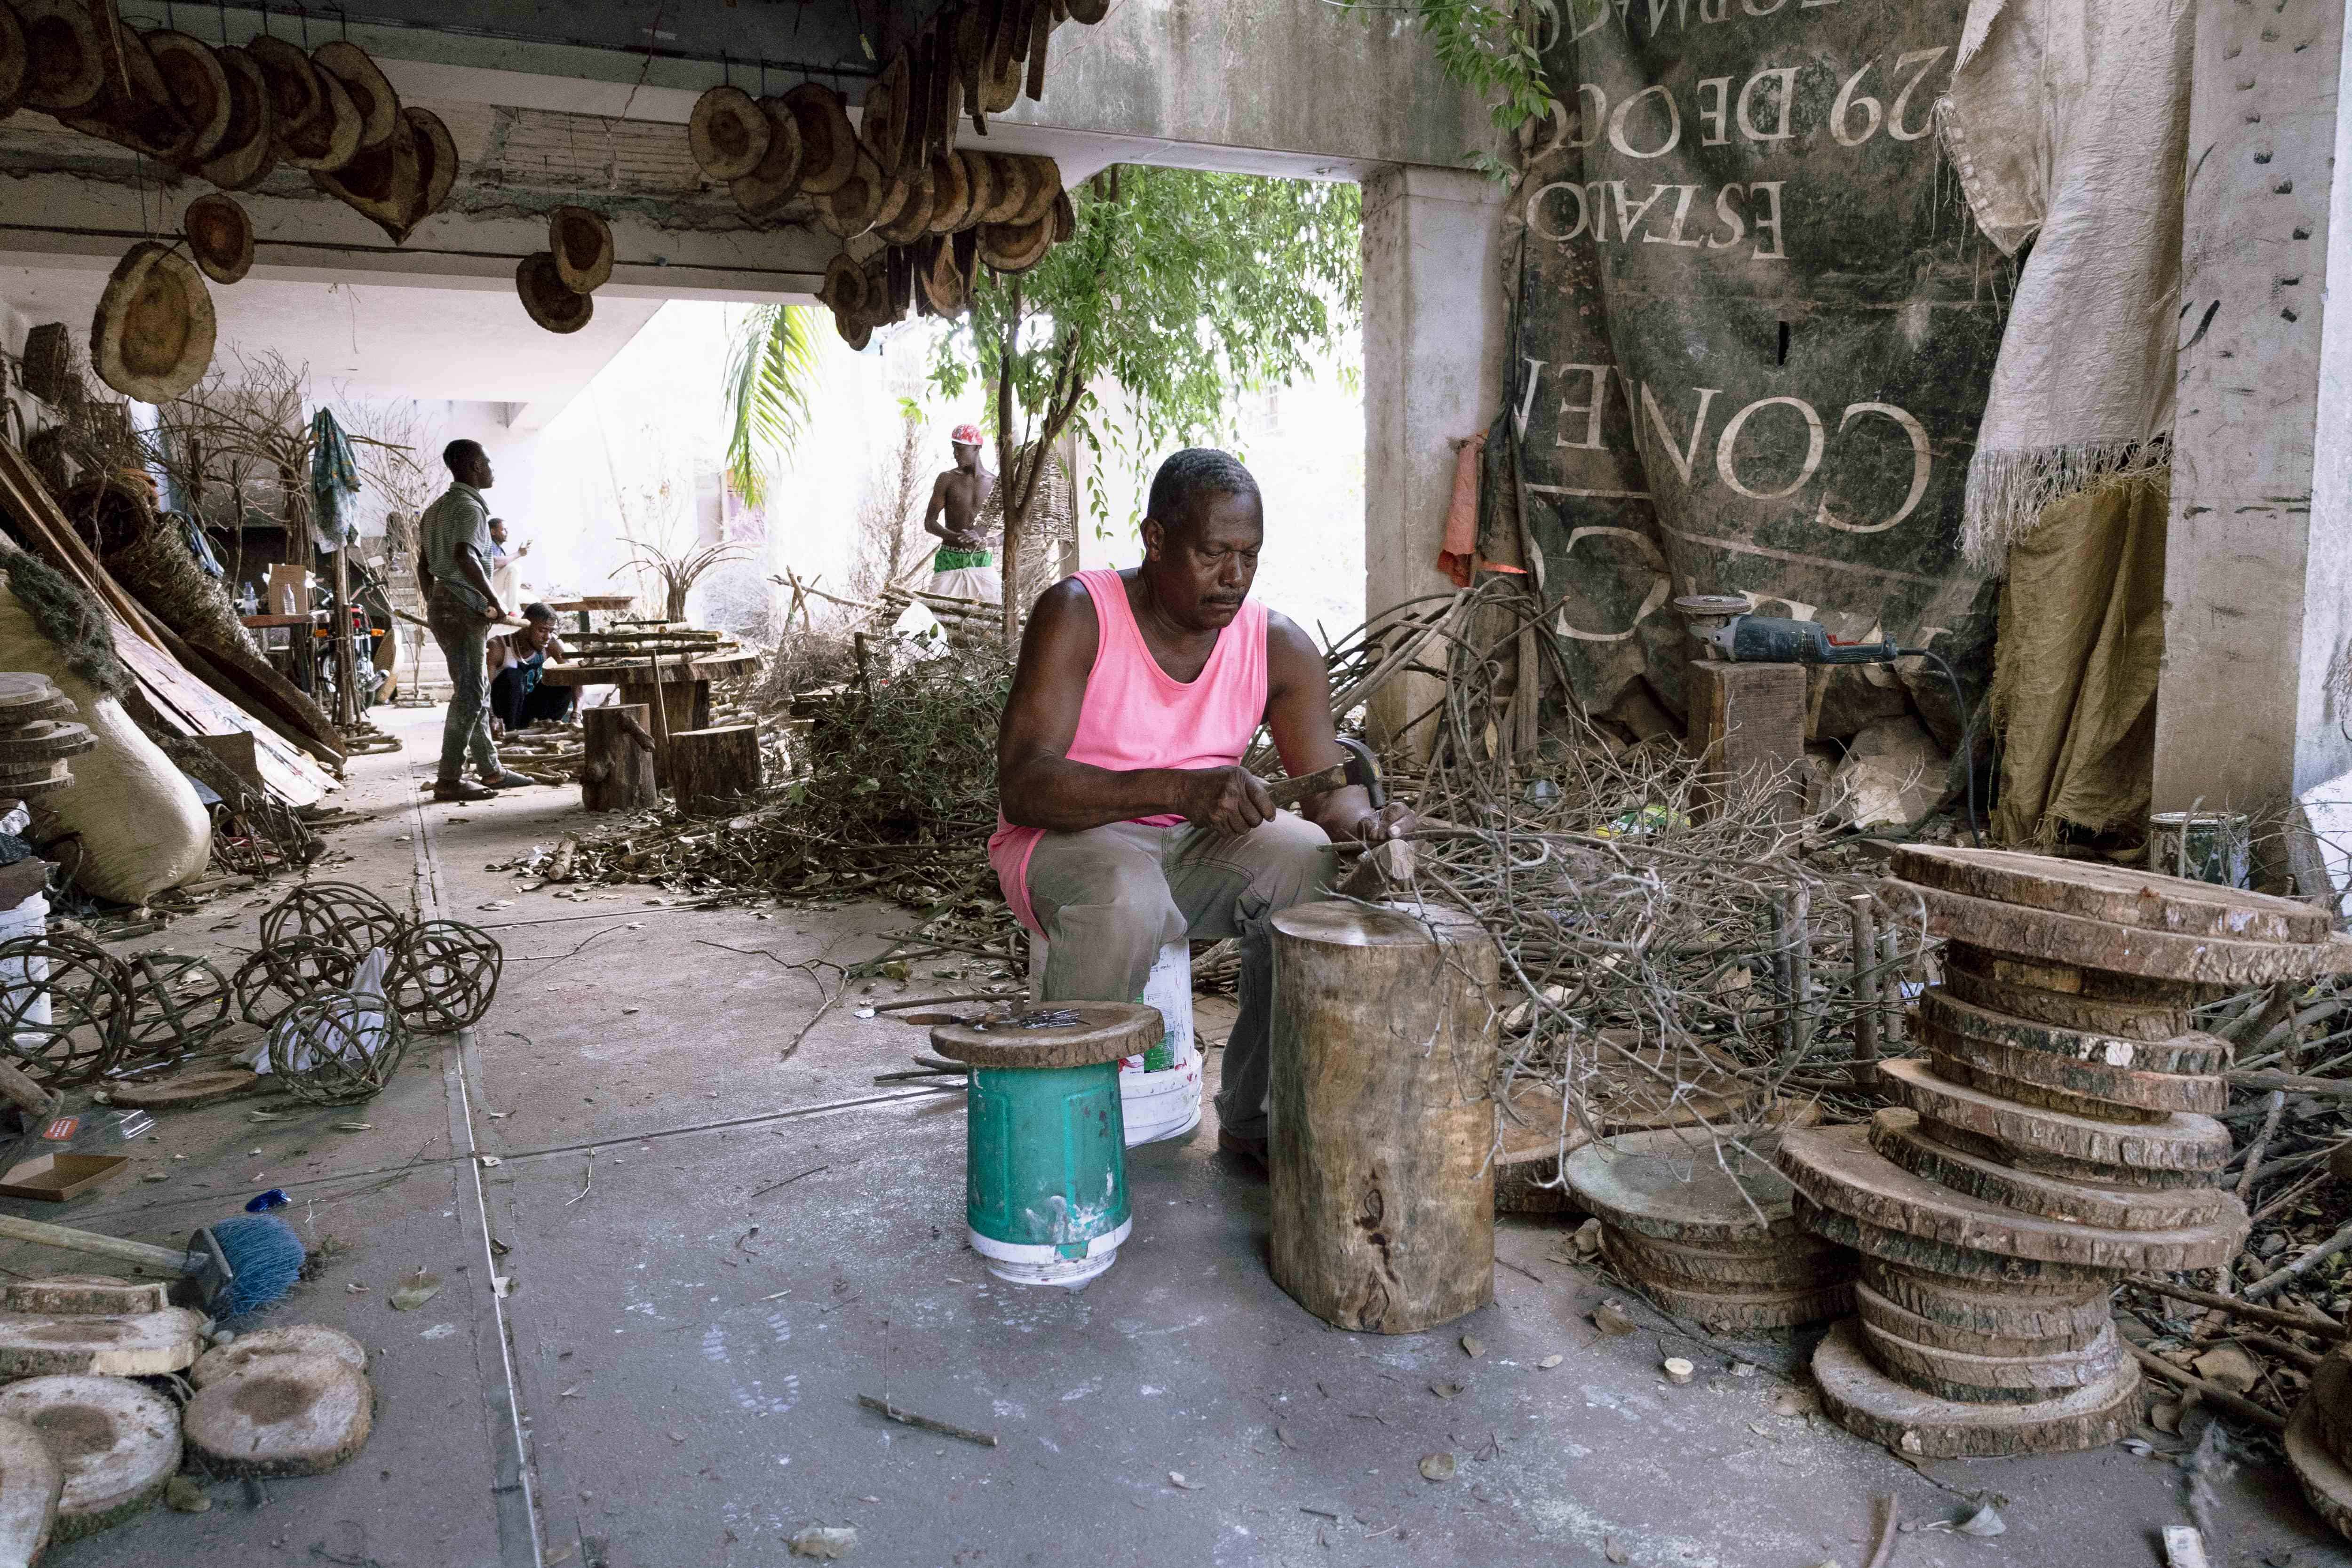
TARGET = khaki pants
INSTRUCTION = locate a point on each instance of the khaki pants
(1110, 897)
(464, 635)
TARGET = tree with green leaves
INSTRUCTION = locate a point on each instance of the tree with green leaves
(770, 372)
(1183, 289)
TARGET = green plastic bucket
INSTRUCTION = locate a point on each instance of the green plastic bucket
(1045, 1172)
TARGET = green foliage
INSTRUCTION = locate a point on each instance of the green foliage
(1183, 289)
(770, 372)
(1494, 51)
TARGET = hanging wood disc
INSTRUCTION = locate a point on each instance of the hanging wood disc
(151, 335)
(2062, 997)
(580, 241)
(64, 66)
(220, 237)
(776, 178)
(436, 160)
(1837, 1169)
(1012, 249)
(844, 286)
(545, 296)
(906, 210)
(1900, 1136)
(728, 132)
(950, 193)
(385, 183)
(84, 1295)
(2119, 894)
(1008, 188)
(249, 146)
(281, 1415)
(942, 284)
(32, 1482)
(882, 117)
(1103, 1032)
(848, 208)
(829, 146)
(1884, 1317)
(2051, 937)
(980, 176)
(198, 83)
(292, 1339)
(372, 96)
(1044, 183)
(1065, 218)
(1877, 1409)
(2181, 1142)
(1989, 1310)
(117, 1441)
(134, 107)
(141, 1344)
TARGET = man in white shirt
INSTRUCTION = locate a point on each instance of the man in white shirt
(460, 607)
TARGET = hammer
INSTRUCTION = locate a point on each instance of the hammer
(1359, 769)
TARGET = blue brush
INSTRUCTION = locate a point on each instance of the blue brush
(243, 1264)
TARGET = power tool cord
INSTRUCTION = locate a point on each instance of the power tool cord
(1968, 730)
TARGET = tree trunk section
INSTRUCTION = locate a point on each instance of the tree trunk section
(616, 770)
(711, 770)
(1383, 1115)
(686, 705)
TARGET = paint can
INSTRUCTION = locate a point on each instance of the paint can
(1046, 1178)
(2202, 846)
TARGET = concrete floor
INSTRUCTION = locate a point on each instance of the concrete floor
(707, 1253)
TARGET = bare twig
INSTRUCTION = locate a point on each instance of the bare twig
(884, 1408)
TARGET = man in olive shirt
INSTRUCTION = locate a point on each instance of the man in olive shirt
(460, 606)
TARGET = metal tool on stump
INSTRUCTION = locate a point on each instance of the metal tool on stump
(1045, 1155)
(1361, 768)
(1382, 1117)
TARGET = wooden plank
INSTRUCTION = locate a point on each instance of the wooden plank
(1837, 1169)
(195, 708)
(1899, 1135)
(2181, 1142)
(1874, 1406)
(2122, 895)
(2051, 937)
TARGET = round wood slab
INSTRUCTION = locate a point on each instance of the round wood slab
(2119, 894)
(2330, 1397)
(2131, 949)
(1990, 1380)
(1961, 1264)
(117, 1441)
(1872, 1406)
(281, 1415)
(1807, 1266)
(144, 1344)
(2326, 1481)
(2187, 1051)
(1902, 1137)
(1988, 1309)
(2180, 1143)
(1671, 1186)
(2002, 1086)
(1884, 1317)
(184, 1091)
(2068, 997)
(2128, 1089)
(1836, 1168)
(43, 740)
(293, 1339)
(84, 1295)
(26, 699)
(1751, 1313)
(1105, 1032)
(2088, 1172)
(31, 1482)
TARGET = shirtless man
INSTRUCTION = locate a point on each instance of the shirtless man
(964, 567)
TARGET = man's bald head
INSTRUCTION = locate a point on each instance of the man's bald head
(1202, 530)
(467, 463)
(1191, 476)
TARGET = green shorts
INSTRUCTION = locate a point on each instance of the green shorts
(961, 559)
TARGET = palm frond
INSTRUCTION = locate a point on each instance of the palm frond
(771, 371)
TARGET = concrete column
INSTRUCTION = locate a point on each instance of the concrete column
(1434, 322)
(2258, 563)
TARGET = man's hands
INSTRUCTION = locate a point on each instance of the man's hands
(1227, 800)
(1394, 820)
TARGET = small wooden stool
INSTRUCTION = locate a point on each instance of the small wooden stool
(1046, 1145)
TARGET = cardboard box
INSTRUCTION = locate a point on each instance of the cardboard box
(289, 591)
(54, 1178)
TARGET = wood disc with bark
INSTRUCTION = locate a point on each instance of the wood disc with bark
(882, 117)
(1735, 1311)
(1836, 1169)
(32, 1483)
(2119, 894)
(117, 1441)
(1961, 1264)
(1382, 1114)
(186, 1090)
(1876, 1408)
(1013, 248)
(616, 770)
(728, 133)
(2325, 1479)
(140, 1344)
(775, 179)
(848, 208)
(2119, 1090)
(2184, 1051)
(1958, 1069)
(2190, 1145)
(714, 770)
(1672, 1187)
(1988, 1309)
(43, 740)
(1991, 1379)
(2050, 937)
(2331, 1395)
(290, 1339)
(26, 698)
(1900, 1136)
(829, 145)
(1103, 1032)
(281, 1415)
(84, 1295)
(1778, 1265)
(248, 147)
(198, 84)
(1886, 1317)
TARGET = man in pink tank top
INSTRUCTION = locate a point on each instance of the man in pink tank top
(1127, 821)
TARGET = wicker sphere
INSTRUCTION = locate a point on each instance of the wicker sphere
(444, 975)
(342, 913)
(65, 1009)
(178, 1001)
(336, 1047)
(291, 970)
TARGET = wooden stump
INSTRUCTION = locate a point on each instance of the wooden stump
(1747, 728)
(616, 773)
(686, 705)
(711, 770)
(1385, 1048)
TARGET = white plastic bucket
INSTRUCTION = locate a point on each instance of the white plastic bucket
(1160, 1091)
(29, 919)
(1026, 1265)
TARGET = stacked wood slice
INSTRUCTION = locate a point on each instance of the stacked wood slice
(555, 284)
(917, 215)
(36, 737)
(2319, 1441)
(1707, 1229)
(2059, 1135)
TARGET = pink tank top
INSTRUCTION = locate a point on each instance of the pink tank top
(1135, 715)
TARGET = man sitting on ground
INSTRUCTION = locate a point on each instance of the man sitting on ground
(453, 568)
(1127, 819)
(516, 662)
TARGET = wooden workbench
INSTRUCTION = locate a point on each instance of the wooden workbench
(684, 691)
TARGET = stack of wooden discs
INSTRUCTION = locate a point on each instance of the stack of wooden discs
(1705, 1229)
(2319, 1441)
(2059, 1135)
(37, 736)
